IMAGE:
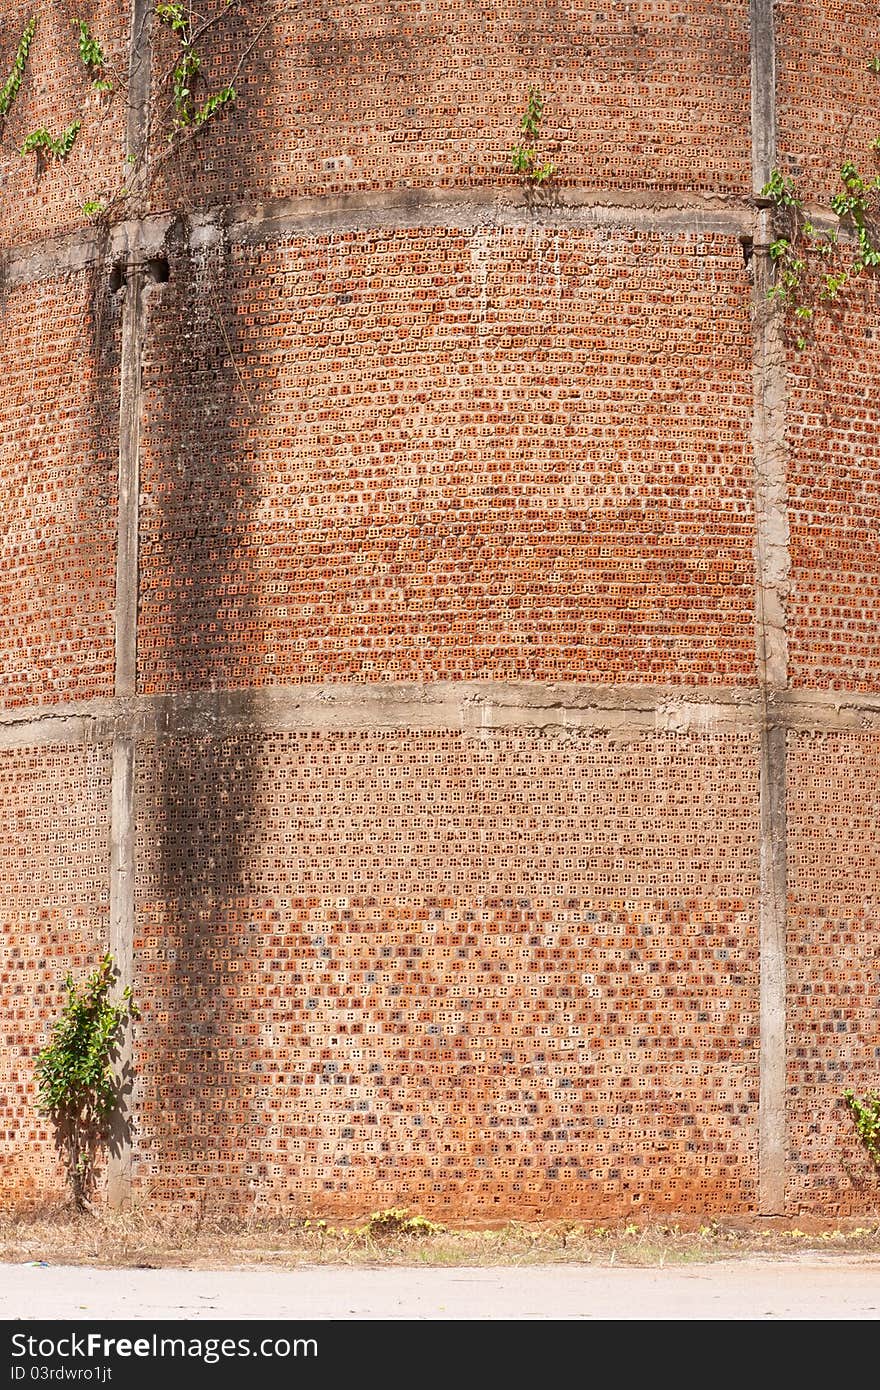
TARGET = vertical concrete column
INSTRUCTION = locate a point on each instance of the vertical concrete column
(763, 56)
(122, 950)
(122, 826)
(772, 565)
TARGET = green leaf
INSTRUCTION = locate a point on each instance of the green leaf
(9, 90)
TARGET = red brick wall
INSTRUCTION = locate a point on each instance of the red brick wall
(41, 198)
(59, 412)
(507, 975)
(834, 488)
(380, 95)
(436, 976)
(828, 102)
(441, 454)
(833, 1000)
(53, 919)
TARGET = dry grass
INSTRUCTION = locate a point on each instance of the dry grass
(140, 1239)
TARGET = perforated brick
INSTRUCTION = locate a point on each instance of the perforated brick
(419, 454)
(510, 975)
(834, 972)
(54, 805)
(834, 502)
(40, 197)
(378, 96)
(828, 100)
(59, 413)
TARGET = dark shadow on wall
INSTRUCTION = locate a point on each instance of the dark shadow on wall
(199, 616)
(204, 1128)
(97, 495)
(203, 501)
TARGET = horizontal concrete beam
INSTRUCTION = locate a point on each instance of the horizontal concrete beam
(474, 707)
(468, 208)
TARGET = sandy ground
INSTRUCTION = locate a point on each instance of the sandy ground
(807, 1287)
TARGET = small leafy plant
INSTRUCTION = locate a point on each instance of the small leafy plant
(92, 57)
(186, 70)
(524, 155)
(9, 90)
(397, 1221)
(58, 148)
(76, 1085)
(813, 265)
(210, 107)
(865, 1114)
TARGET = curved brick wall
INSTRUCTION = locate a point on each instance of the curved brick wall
(460, 472)
(381, 96)
(439, 626)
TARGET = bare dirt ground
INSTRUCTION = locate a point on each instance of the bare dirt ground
(134, 1239)
(180, 1265)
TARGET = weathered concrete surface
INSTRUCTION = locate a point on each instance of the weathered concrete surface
(808, 1288)
(467, 208)
(624, 712)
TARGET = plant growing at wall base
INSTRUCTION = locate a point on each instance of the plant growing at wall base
(865, 1114)
(76, 1084)
(524, 156)
(397, 1221)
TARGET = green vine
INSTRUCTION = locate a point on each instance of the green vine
(213, 104)
(866, 1118)
(9, 90)
(186, 70)
(92, 57)
(59, 148)
(524, 156)
(192, 109)
(814, 265)
(75, 1081)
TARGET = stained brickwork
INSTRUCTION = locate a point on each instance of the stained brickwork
(448, 455)
(53, 918)
(42, 196)
(58, 458)
(461, 527)
(499, 975)
(379, 96)
(834, 972)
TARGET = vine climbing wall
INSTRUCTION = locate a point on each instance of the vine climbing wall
(439, 607)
